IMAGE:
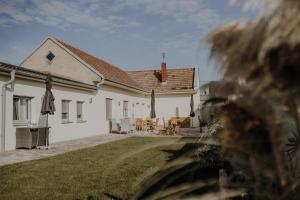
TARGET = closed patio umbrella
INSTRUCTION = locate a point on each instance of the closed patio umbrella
(152, 113)
(192, 113)
(48, 106)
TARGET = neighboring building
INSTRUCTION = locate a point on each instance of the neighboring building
(89, 92)
(210, 99)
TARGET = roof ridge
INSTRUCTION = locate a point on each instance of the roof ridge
(172, 68)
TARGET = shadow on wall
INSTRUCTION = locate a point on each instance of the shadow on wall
(42, 120)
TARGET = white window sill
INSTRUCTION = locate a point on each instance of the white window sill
(20, 123)
(66, 122)
(81, 121)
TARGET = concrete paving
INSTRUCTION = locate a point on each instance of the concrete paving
(21, 155)
(184, 132)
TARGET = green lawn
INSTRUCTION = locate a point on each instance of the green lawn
(116, 168)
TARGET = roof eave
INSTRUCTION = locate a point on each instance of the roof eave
(124, 86)
(177, 92)
(40, 76)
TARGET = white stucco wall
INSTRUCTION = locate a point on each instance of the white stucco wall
(165, 106)
(93, 110)
(138, 105)
(64, 64)
(1, 85)
(94, 107)
(95, 121)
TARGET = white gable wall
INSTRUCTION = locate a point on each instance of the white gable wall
(64, 64)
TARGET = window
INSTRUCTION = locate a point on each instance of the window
(65, 110)
(21, 109)
(132, 115)
(50, 56)
(79, 110)
(108, 103)
(125, 109)
(177, 112)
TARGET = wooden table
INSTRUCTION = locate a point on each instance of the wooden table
(183, 122)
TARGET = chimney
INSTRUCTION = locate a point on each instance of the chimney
(164, 73)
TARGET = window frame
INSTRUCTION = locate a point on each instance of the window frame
(80, 120)
(125, 109)
(177, 112)
(19, 122)
(108, 115)
(65, 121)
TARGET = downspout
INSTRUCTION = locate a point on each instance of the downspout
(100, 83)
(4, 88)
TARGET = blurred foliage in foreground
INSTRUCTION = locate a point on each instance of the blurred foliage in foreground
(254, 153)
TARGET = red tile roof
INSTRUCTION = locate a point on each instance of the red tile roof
(109, 71)
(180, 79)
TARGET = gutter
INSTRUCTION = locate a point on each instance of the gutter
(176, 92)
(3, 116)
(123, 86)
(100, 83)
(40, 76)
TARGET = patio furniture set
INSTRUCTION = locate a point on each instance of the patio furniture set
(169, 127)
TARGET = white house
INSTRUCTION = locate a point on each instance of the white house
(88, 93)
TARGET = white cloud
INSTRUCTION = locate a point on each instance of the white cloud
(61, 13)
(185, 43)
(106, 15)
(194, 12)
(258, 6)
(15, 52)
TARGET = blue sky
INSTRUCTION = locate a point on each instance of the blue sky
(131, 34)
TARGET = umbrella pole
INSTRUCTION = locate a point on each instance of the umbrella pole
(46, 133)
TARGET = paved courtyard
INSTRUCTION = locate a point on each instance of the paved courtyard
(21, 155)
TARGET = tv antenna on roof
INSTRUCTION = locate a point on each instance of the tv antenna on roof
(163, 56)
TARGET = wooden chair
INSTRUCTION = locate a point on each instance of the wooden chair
(139, 124)
(173, 127)
(145, 125)
(177, 128)
(155, 124)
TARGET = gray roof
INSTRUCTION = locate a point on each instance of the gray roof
(21, 71)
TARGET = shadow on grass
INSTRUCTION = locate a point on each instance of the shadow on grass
(112, 197)
(174, 175)
(185, 168)
(186, 150)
